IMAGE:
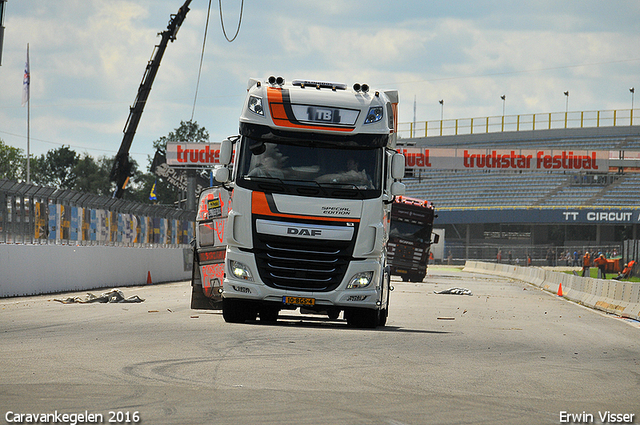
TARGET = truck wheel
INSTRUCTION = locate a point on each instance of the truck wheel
(333, 314)
(269, 314)
(237, 311)
(363, 317)
(383, 317)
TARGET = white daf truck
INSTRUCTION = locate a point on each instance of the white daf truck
(314, 175)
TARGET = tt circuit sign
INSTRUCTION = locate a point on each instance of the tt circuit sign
(542, 215)
(602, 217)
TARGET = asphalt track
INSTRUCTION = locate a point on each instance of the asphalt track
(508, 354)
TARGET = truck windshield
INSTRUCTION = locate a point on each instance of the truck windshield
(323, 168)
(410, 231)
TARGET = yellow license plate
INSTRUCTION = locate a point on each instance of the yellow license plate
(299, 301)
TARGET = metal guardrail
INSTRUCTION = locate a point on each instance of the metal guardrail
(32, 214)
(522, 122)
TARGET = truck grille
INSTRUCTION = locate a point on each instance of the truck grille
(400, 255)
(301, 264)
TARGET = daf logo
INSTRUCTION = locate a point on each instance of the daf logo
(303, 232)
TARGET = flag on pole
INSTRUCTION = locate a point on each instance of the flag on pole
(152, 195)
(26, 80)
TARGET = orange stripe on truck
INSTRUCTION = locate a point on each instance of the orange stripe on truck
(260, 206)
(282, 119)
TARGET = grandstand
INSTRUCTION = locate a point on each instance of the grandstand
(529, 211)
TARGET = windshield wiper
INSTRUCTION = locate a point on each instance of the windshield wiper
(338, 186)
(263, 179)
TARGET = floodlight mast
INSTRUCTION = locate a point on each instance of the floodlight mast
(121, 170)
(2, 5)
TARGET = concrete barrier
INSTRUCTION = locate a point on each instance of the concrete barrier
(617, 297)
(42, 269)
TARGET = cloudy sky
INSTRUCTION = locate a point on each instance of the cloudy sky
(88, 58)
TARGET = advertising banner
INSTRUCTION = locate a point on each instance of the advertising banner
(506, 159)
(193, 154)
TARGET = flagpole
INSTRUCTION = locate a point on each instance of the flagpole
(28, 120)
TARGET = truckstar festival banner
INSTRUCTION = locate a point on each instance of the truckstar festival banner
(506, 159)
(207, 154)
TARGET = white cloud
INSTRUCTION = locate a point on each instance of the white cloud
(88, 58)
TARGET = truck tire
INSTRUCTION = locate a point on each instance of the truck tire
(269, 314)
(363, 317)
(333, 314)
(384, 313)
(237, 311)
(417, 278)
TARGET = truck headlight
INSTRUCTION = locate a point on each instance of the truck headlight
(375, 114)
(360, 280)
(239, 270)
(255, 105)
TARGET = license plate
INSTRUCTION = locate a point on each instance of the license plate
(299, 301)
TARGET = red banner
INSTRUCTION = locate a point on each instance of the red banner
(506, 159)
(193, 154)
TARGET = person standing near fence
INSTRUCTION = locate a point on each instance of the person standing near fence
(601, 263)
(586, 263)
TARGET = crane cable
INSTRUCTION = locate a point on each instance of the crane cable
(204, 41)
(239, 21)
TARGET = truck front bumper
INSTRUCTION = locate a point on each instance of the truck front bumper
(254, 289)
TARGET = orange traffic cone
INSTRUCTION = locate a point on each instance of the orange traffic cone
(560, 290)
(149, 278)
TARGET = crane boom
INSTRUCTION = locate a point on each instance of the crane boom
(121, 170)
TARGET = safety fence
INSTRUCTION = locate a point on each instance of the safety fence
(32, 214)
(522, 122)
(538, 255)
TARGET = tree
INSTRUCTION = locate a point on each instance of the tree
(56, 168)
(12, 162)
(188, 132)
(93, 176)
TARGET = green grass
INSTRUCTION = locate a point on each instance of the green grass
(594, 274)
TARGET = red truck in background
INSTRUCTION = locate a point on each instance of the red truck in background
(209, 249)
(408, 248)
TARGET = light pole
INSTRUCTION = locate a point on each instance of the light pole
(566, 111)
(504, 98)
(441, 101)
(2, 4)
(633, 91)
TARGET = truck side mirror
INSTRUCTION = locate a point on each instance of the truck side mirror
(397, 189)
(226, 151)
(397, 166)
(222, 174)
(436, 238)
